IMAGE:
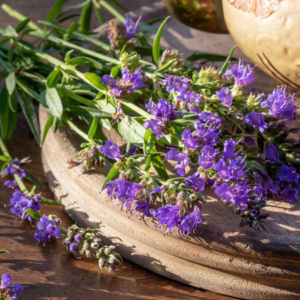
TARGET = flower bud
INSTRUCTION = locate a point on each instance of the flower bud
(253, 212)
(193, 197)
(177, 67)
(263, 215)
(102, 262)
(88, 253)
(73, 247)
(78, 237)
(55, 219)
(94, 245)
(129, 61)
(109, 249)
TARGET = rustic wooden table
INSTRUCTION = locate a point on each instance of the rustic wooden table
(53, 273)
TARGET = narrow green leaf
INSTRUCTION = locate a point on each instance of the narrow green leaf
(95, 81)
(84, 111)
(159, 167)
(63, 230)
(50, 202)
(53, 78)
(29, 112)
(72, 28)
(4, 167)
(225, 65)
(98, 12)
(23, 85)
(93, 129)
(166, 67)
(4, 158)
(9, 31)
(207, 56)
(22, 25)
(87, 62)
(10, 82)
(112, 173)
(148, 164)
(48, 125)
(4, 251)
(55, 9)
(31, 177)
(147, 136)
(85, 18)
(156, 44)
(51, 101)
(114, 71)
(32, 213)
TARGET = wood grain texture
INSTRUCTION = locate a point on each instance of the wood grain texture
(51, 272)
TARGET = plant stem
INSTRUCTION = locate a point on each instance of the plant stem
(112, 11)
(17, 178)
(76, 129)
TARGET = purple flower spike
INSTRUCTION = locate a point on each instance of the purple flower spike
(223, 171)
(257, 120)
(180, 170)
(16, 290)
(225, 96)
(154, 127)
(131, 27)
(196, 182)
(190, 222)
(111, 150)
(12, 184)
(225, 191)
(175, 84)
(190, 97)
(6, 281)
(209, 119)
(108, 81)
(243, 75)
(288, 174)
(142, 207)
(189, 140)
(228, 151)
(272, 154)
(290, 195)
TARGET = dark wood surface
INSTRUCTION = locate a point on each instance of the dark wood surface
(53, 273)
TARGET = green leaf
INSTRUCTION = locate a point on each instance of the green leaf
(4, 167)
(147, 136)
(207, 56)
(29, 112)
(23, 85)
(85, 18)
(22, 25)
(132, 131)
(112, 173)
(9, 31)
(72, 28)
(93, 129)
(48, 125)
(166, 67)
(255, 165)
(114, 71)
(148, 164)
(84, 111)
(63, 230)
(53, 78)
(5, 158)
(32, 213)
(31, 177)
(55, 9)
(156, 44)
(10, 82)
(225, 65)
(50, 202)
(51, 101)
(8, 117)
(76, 6)
(4, 251)
(95, 81)
(87, 62)
(98, 12)
(159, 167)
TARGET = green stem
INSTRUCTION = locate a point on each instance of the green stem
(76, 129)
(17, 178)
(112, 11)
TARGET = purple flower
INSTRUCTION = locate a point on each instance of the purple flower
(207, 159)
(257, 120)
(175, 84)
(108, 81)
(228, 151)
(178, 156)
(131, 27)
(154, 127)
(272, 154)
(73, 247)
(281, 103)
(206, 136)
(190, 97)
(12, 184)
(132, 151)
(240, 201)
(142, 207)
(243, 75)
(12, 168)
(161, 111)
(288, 174)
(189, 223)
(16, 290)
(133, 81)
(6, 281)
(241, 189)
(250, 141)
(209, 119)
(225, 96)
(290, 195)
(78, 238)
(111, 150)
(169, 216)
(225, 192)
(21, 202)
(46, 229)
(196, 182)
(180, 169)
(223, 171)
(189, 140)
(237, 168)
